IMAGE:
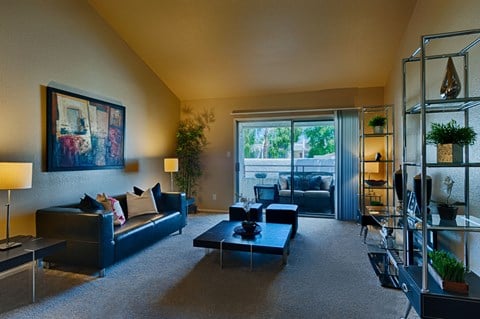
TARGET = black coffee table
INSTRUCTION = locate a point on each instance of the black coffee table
(31, 250)
(274, 239)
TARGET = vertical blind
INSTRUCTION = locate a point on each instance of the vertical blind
(346, 185)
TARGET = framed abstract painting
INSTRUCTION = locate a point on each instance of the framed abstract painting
(83, 133)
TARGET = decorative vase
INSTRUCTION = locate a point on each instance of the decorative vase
(451, 83)
(449, 153)
(398, 184)
(417, 188)
(378, 129)
(249, 227)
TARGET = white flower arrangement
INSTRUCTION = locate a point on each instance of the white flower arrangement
(448, 182)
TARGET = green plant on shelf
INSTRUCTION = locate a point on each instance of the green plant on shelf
(451, 133)
(447, 266)
(377, 120)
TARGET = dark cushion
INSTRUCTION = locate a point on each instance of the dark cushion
(88, 203)
(156, 191)
(315, 182)
(299, 183)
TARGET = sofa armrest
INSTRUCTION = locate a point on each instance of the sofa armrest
(332, 197)
(89, 235)
(174, 202)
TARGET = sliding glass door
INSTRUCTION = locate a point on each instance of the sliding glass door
(288, 161)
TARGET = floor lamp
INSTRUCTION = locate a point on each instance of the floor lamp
(170, 166)
(13, 176)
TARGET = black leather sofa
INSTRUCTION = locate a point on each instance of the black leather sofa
(94, 241)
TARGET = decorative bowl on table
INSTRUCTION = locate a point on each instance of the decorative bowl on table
(375, 182)
(248, 229)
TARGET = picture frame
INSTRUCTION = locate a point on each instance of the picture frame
(412, 206)
(83, 133)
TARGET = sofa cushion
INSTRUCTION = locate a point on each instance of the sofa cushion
(157, 194)
(283, 182)
(288, 192)
(88, 203)
(299, 183)
(316, 194)
(139, 221)
(314, 182)
(140, 204)
(326, 182)
(113, 205)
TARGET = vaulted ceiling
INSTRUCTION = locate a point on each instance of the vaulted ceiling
(234, 48)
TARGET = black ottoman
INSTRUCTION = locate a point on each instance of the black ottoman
(237, 212)
(283, 214)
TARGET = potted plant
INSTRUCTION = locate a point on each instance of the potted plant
(378, 123)
(446, 210)
(450, 139)
(447, 271)
(191, 142)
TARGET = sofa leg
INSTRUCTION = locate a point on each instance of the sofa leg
(102, 273)
(180, 231)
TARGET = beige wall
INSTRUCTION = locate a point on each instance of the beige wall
(430, 17)
(65, 42)
(219, 158)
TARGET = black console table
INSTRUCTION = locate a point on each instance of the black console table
(31, 250)
(437, 303)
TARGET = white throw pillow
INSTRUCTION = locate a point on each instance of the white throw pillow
(143, 204)
(112, 204)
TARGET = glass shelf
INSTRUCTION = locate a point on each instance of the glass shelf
(453, 105)
(461, 223)
(445, 165)
(378, 187)
(390, 222)
(378, 134)
(385, 211)
(374, 161)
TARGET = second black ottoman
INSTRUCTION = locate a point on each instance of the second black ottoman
(283, 214)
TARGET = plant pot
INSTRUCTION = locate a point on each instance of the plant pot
(378, 129)
(451, 286)
(447, 212)
(449, 153)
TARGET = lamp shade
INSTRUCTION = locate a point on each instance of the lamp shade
(170, 165)
(15, 175)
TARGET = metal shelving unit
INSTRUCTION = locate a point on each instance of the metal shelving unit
(425, 228)
(376, 192)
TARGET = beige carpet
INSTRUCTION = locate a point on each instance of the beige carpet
(328, 275)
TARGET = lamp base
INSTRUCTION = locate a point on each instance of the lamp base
(9, 245)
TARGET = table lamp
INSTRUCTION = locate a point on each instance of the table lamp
(13, 176)
(170, 166)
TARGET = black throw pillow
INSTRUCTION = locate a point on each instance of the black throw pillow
(315, 182)
(88, 203)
